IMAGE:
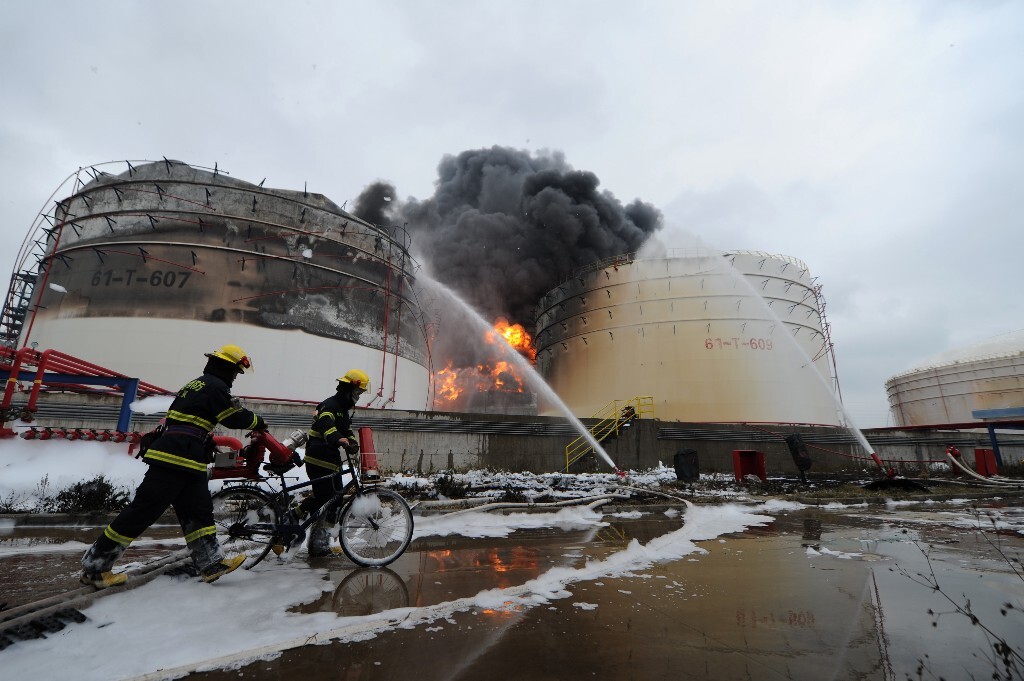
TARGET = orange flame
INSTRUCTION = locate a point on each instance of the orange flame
(516, 336)
(501, 375)
(448, 383)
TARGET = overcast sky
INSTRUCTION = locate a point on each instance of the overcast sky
(880, 142)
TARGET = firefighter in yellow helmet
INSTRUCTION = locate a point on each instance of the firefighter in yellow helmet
(178, 456)
(330, 433)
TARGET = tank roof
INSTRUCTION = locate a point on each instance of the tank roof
(1003, 345)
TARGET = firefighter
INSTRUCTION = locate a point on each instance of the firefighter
(177, 475)
(331, 431)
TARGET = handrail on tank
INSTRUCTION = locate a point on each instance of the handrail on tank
(614, 416)
(16, 358)
(613, 261)
(626, 258)
(68, 368)
(62, 362)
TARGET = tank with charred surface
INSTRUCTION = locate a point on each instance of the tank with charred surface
(147, 270)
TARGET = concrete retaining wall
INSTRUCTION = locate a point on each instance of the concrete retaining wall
(426, 442)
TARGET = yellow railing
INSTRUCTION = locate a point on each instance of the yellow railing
(613, 416)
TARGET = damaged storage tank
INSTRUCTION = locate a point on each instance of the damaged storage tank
(146, 271)
(707, 341)
(981, 381)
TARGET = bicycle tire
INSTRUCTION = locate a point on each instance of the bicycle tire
(375, 527)
(368, 591)
(234, 510)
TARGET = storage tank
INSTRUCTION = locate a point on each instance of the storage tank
(951, 386)
(707, 341)
(145, 271)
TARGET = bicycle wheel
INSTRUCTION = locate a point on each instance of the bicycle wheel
(245, 520)
(375, 527)
(367, 591)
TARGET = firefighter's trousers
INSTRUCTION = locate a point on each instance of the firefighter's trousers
(162, 487)
(323, 491)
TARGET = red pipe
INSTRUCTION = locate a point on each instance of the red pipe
(398, 341)
(387, 331)
(225, 441)
(279, 454)
(38, 381)
(12, 381)
(63, 363)
(368, 462)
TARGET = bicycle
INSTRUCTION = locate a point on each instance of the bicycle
(372, 525)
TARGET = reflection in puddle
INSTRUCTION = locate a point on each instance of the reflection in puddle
(751, 604)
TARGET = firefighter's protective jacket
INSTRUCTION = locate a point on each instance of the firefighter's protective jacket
(332, 422)
(199, 406)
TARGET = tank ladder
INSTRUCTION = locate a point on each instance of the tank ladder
(612, 419)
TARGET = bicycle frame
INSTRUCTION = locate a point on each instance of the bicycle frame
(260, 512)
(282, 500)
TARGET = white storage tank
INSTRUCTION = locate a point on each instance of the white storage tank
(147, 270)
(949, 387)
(709, 342)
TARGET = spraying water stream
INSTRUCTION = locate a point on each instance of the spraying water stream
(719, 261)
(538, 384)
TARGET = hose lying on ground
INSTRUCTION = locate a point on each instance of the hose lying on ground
(592, 502)
(80, 597)
(1002, 482)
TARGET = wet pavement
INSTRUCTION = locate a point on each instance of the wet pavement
(815, 594)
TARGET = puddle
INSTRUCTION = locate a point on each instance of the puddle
(813, 594)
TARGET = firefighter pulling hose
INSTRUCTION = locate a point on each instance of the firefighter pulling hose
(177, 477)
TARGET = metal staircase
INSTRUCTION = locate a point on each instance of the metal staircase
(612, 419)
(12, 318)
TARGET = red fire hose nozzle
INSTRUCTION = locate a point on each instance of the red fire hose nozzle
(889, 473)
(621, 473)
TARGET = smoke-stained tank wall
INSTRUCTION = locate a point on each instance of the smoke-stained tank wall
(707, 341)
(148, 270)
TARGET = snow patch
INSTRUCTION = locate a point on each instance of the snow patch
(157, 404)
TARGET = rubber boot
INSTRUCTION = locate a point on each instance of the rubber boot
(219, 569)
(98, 560)
(319, 542)
(103, 580)
(205, 552)
(319, 545)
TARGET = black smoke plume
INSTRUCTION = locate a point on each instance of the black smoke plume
(504, 227)
(374, 204)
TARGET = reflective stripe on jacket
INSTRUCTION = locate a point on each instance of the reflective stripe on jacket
(332, 422)
(197, 408)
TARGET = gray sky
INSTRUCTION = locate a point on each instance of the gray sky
(880, 142)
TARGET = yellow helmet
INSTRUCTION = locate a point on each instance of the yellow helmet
(357, 378)
(235, 355)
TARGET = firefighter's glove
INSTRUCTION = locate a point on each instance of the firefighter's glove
(350, 446)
